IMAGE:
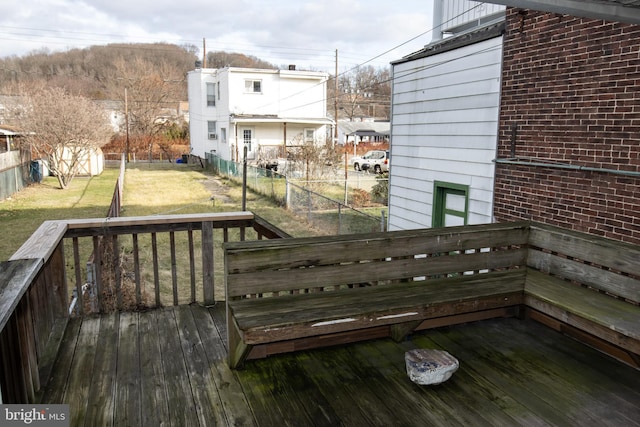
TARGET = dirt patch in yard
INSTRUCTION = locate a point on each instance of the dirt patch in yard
(219, 191)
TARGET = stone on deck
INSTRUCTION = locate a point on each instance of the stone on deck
(429, 366)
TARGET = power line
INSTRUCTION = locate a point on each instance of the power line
(378, 56)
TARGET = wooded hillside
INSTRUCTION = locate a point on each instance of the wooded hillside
(100, 72)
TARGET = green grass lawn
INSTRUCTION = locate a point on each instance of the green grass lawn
(22, 214)
(159, 188)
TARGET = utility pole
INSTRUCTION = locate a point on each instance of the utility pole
(204, 53)
(335, 100)
(346, 163)
(126, 120)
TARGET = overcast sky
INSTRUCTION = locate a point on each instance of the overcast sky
(301, 32)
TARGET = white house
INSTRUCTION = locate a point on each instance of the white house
(268, 111)
(444, 120)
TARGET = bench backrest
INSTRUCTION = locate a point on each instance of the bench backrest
(603, 264)
(329, 263)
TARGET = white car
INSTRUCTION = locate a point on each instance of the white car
(378, 160)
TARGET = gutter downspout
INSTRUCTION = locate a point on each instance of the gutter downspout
(436, 33)
(284, 154)
(235, 131)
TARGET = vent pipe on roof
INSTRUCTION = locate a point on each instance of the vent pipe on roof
(436, 32)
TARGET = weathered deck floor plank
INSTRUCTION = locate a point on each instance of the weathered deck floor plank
(128, 393)
(153, 390)
(101, 405)
(168, 367)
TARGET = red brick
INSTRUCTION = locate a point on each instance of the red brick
(572, 86)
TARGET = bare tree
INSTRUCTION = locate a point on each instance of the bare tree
(63, 127)
(221, 59)
(312, 159)
(153, 94)
(365, 92)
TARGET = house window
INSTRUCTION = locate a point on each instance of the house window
(211, 94)
(223, 135)
(253, 86)
(309, 135)
(211, 130)
(450, 204)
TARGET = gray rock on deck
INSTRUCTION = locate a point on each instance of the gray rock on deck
(428, 366)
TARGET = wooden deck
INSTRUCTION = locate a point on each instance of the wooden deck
(168, 367)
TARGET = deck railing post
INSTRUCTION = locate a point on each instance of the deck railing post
(207, 263)
(58, 275)
(97, 261)
(287, 193)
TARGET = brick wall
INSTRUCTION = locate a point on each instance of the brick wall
(571, 89)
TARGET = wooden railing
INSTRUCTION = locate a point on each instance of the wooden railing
(116, 201)
(149, 262)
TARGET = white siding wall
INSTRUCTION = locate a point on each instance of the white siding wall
(283, 94)
(456, 13)
(444, 128)
(302, 96)
(199, 113)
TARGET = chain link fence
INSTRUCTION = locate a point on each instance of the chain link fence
(263, 181)
(332, 216)
(327, 205)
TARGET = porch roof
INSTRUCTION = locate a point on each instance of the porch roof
(368, 132)
(272, 118)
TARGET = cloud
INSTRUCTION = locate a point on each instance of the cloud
(279, 31)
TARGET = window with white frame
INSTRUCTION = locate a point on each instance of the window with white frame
(253, 86)
(211, 94)
(223, 135)
(211, 130)
(309, 135)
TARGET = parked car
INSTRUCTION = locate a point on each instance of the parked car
(377, 160)
(269, 164)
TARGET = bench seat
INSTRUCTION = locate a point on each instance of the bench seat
(268, 319)
(405, 305)
(610, 319)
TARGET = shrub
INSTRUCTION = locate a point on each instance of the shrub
(380, 191)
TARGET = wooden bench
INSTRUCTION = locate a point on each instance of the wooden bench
(292, 294)
(586, 286)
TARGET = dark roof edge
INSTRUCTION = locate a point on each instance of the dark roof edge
(451, 43)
